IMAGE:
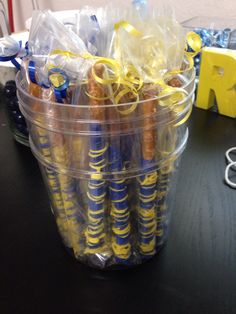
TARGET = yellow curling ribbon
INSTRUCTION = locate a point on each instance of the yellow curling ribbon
(112, 64)
(128, 27)
(132, 106)
(183, 120)
(128, 76)
(194, 42)
(174, 95)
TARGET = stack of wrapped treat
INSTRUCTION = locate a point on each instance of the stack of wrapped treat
(106, 104)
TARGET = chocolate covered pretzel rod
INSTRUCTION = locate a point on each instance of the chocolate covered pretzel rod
(120, 211)
(147, 183)
(55, 150)
(95, 233)
(164, 174)
(50, 177)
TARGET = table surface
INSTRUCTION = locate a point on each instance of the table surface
(194, 273)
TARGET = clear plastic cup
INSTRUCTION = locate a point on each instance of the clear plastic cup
(110, 180)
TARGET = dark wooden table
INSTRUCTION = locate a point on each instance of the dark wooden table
(194, 273)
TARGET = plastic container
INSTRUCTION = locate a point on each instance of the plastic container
(109, 192)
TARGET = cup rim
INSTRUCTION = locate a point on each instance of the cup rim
(53, 103)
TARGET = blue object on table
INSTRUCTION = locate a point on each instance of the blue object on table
(12, 106)
(214, 38)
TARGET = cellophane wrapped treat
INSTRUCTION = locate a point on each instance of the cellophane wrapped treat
(106, 103)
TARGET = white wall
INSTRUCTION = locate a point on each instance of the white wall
(184, 9)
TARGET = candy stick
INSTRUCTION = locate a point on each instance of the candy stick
(50, 176)
(77, 143)
(120, 211)
(165, 173)
(162, 191)
(68, 192)
(95, 234)
(61, 154)
(55, 150)
(147, 183)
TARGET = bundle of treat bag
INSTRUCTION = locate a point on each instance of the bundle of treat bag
(106, 102)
